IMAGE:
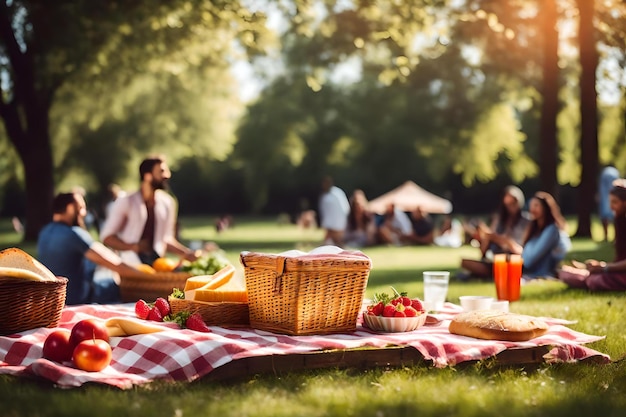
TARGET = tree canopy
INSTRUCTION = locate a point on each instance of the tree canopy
(450, 94)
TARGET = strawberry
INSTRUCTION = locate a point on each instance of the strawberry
(389, 310)
(377, 309)
(195, 322)
(406, 301)
(410, 311)
(155, 314)
(142, 309)
(163, 306)
(399, 313)
(417, 304)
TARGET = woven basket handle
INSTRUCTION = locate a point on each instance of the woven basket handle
(279, 270)
(262, 261)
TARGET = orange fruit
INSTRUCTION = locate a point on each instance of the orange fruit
(146, 268)
(164, 265)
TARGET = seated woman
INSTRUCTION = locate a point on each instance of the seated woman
(546, 241)
(504, 235)
(599, 275)
(395, 226)
(361, 230)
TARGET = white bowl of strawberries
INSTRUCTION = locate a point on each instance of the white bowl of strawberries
(393, 314)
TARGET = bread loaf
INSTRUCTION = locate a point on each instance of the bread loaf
(16, 259)
(497, 325)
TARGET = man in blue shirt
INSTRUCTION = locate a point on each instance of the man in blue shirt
(68, 250)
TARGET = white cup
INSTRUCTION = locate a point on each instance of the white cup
(435, 289)
(475, 302)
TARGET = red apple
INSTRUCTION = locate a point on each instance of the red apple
(92, 355)
(88, 329)
(57, 346)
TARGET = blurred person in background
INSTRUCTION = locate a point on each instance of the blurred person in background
(504, 235)
(142, 225)
(334, 208)
(598, 275)
(68, 250)
(361, 230)
(605, 184)
(546, 241)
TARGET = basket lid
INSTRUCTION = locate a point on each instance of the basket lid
(295, 257)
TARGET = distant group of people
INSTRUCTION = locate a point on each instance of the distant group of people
(139, 228)
(348, 222)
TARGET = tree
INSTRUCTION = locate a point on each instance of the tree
(550, 96)
(44, 46)
(588, 116)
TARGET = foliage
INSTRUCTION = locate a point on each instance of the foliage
(442, 92)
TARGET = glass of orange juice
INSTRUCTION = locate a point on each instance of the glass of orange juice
(514, 272)
(500, 276)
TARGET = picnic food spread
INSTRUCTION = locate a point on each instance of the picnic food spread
(136, 343)
(497, 325)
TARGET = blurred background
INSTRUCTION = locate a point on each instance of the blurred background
(253, 102)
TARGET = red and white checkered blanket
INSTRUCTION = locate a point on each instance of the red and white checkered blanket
(185, 355)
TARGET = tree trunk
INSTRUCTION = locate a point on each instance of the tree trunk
(38, 173)
(550, 94)
(25, 117)
(588, 117)
(33, 147)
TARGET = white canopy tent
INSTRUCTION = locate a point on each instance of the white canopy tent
(407, 197)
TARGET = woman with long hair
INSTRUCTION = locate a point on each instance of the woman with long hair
(503, 235)
(546, 241)
(599, 275)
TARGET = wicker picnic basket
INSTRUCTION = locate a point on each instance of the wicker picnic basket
(307, 294)
(225, 314)
(149, 287)
(26, 305)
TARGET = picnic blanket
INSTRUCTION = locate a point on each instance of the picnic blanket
(185, 355)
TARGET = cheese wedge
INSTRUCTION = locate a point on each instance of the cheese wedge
(199, 281)
(208, 282)
(220, 278)
(18, 259)
(221, 296)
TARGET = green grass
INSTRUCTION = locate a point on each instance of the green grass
(482, 389)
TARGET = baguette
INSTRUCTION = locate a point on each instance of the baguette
(15, 258)
(497, 325)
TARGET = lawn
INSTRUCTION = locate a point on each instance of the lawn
(483, 389)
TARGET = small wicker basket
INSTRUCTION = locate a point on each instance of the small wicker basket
(309, 294)
(26, 305)
(225, 314)
(149, 287)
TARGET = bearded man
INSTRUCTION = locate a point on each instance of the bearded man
(142, 225)
(66, 248)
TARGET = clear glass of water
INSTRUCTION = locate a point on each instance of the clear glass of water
(435, 289)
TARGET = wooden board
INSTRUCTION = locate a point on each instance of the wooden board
(392, 357)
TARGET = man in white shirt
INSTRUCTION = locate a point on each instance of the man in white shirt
(142, 225)
(334, 209)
